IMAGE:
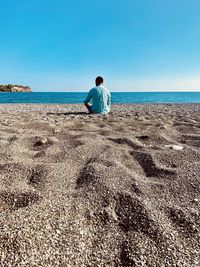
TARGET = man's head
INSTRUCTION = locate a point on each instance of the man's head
(99, 80)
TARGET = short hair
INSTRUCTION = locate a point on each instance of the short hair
(99, 80)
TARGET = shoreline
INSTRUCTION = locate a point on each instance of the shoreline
(80, 106)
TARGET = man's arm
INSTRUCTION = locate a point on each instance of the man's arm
(87, 100)
(109, 100)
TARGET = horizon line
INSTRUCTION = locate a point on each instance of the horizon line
(171, 91)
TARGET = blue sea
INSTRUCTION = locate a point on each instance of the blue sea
(117, 98)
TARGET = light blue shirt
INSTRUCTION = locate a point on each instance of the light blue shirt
(100, 98)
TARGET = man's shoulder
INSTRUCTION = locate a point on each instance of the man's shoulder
(99, 89)
(104, 88)
(91, 90)
(95, 89)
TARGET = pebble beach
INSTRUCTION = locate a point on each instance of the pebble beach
(79, 190)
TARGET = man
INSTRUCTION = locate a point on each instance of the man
(99, 97)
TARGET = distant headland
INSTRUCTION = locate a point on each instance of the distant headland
(14, 88)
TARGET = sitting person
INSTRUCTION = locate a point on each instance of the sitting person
(99, 97)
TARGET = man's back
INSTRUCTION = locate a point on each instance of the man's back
(101, 99)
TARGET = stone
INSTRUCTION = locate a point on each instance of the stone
(53, 139)
(56, 130)
(174, 147)
(41, 141)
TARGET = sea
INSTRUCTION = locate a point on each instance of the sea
(117, 97)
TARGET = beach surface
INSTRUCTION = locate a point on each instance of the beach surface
(79, 190)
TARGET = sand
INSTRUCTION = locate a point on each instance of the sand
(80, 190)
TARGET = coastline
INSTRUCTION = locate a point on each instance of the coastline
(100, 190)
(117, 107)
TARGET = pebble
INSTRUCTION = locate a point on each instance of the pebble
(174, 147)
(57, 130)
(41, 141)
(53, 139)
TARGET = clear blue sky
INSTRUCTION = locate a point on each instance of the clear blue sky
(62, 45)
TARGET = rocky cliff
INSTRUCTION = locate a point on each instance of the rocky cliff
(14, 88)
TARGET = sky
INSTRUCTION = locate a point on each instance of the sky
(136, 45)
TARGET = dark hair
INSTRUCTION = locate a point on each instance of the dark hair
(99, 80)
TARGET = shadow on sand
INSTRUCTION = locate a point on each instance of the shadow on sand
(68, 113)
(78, 114)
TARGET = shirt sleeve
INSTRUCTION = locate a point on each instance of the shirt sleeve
(109, 99)
(88, 98)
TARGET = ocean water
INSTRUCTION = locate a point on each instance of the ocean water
(117, 98)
